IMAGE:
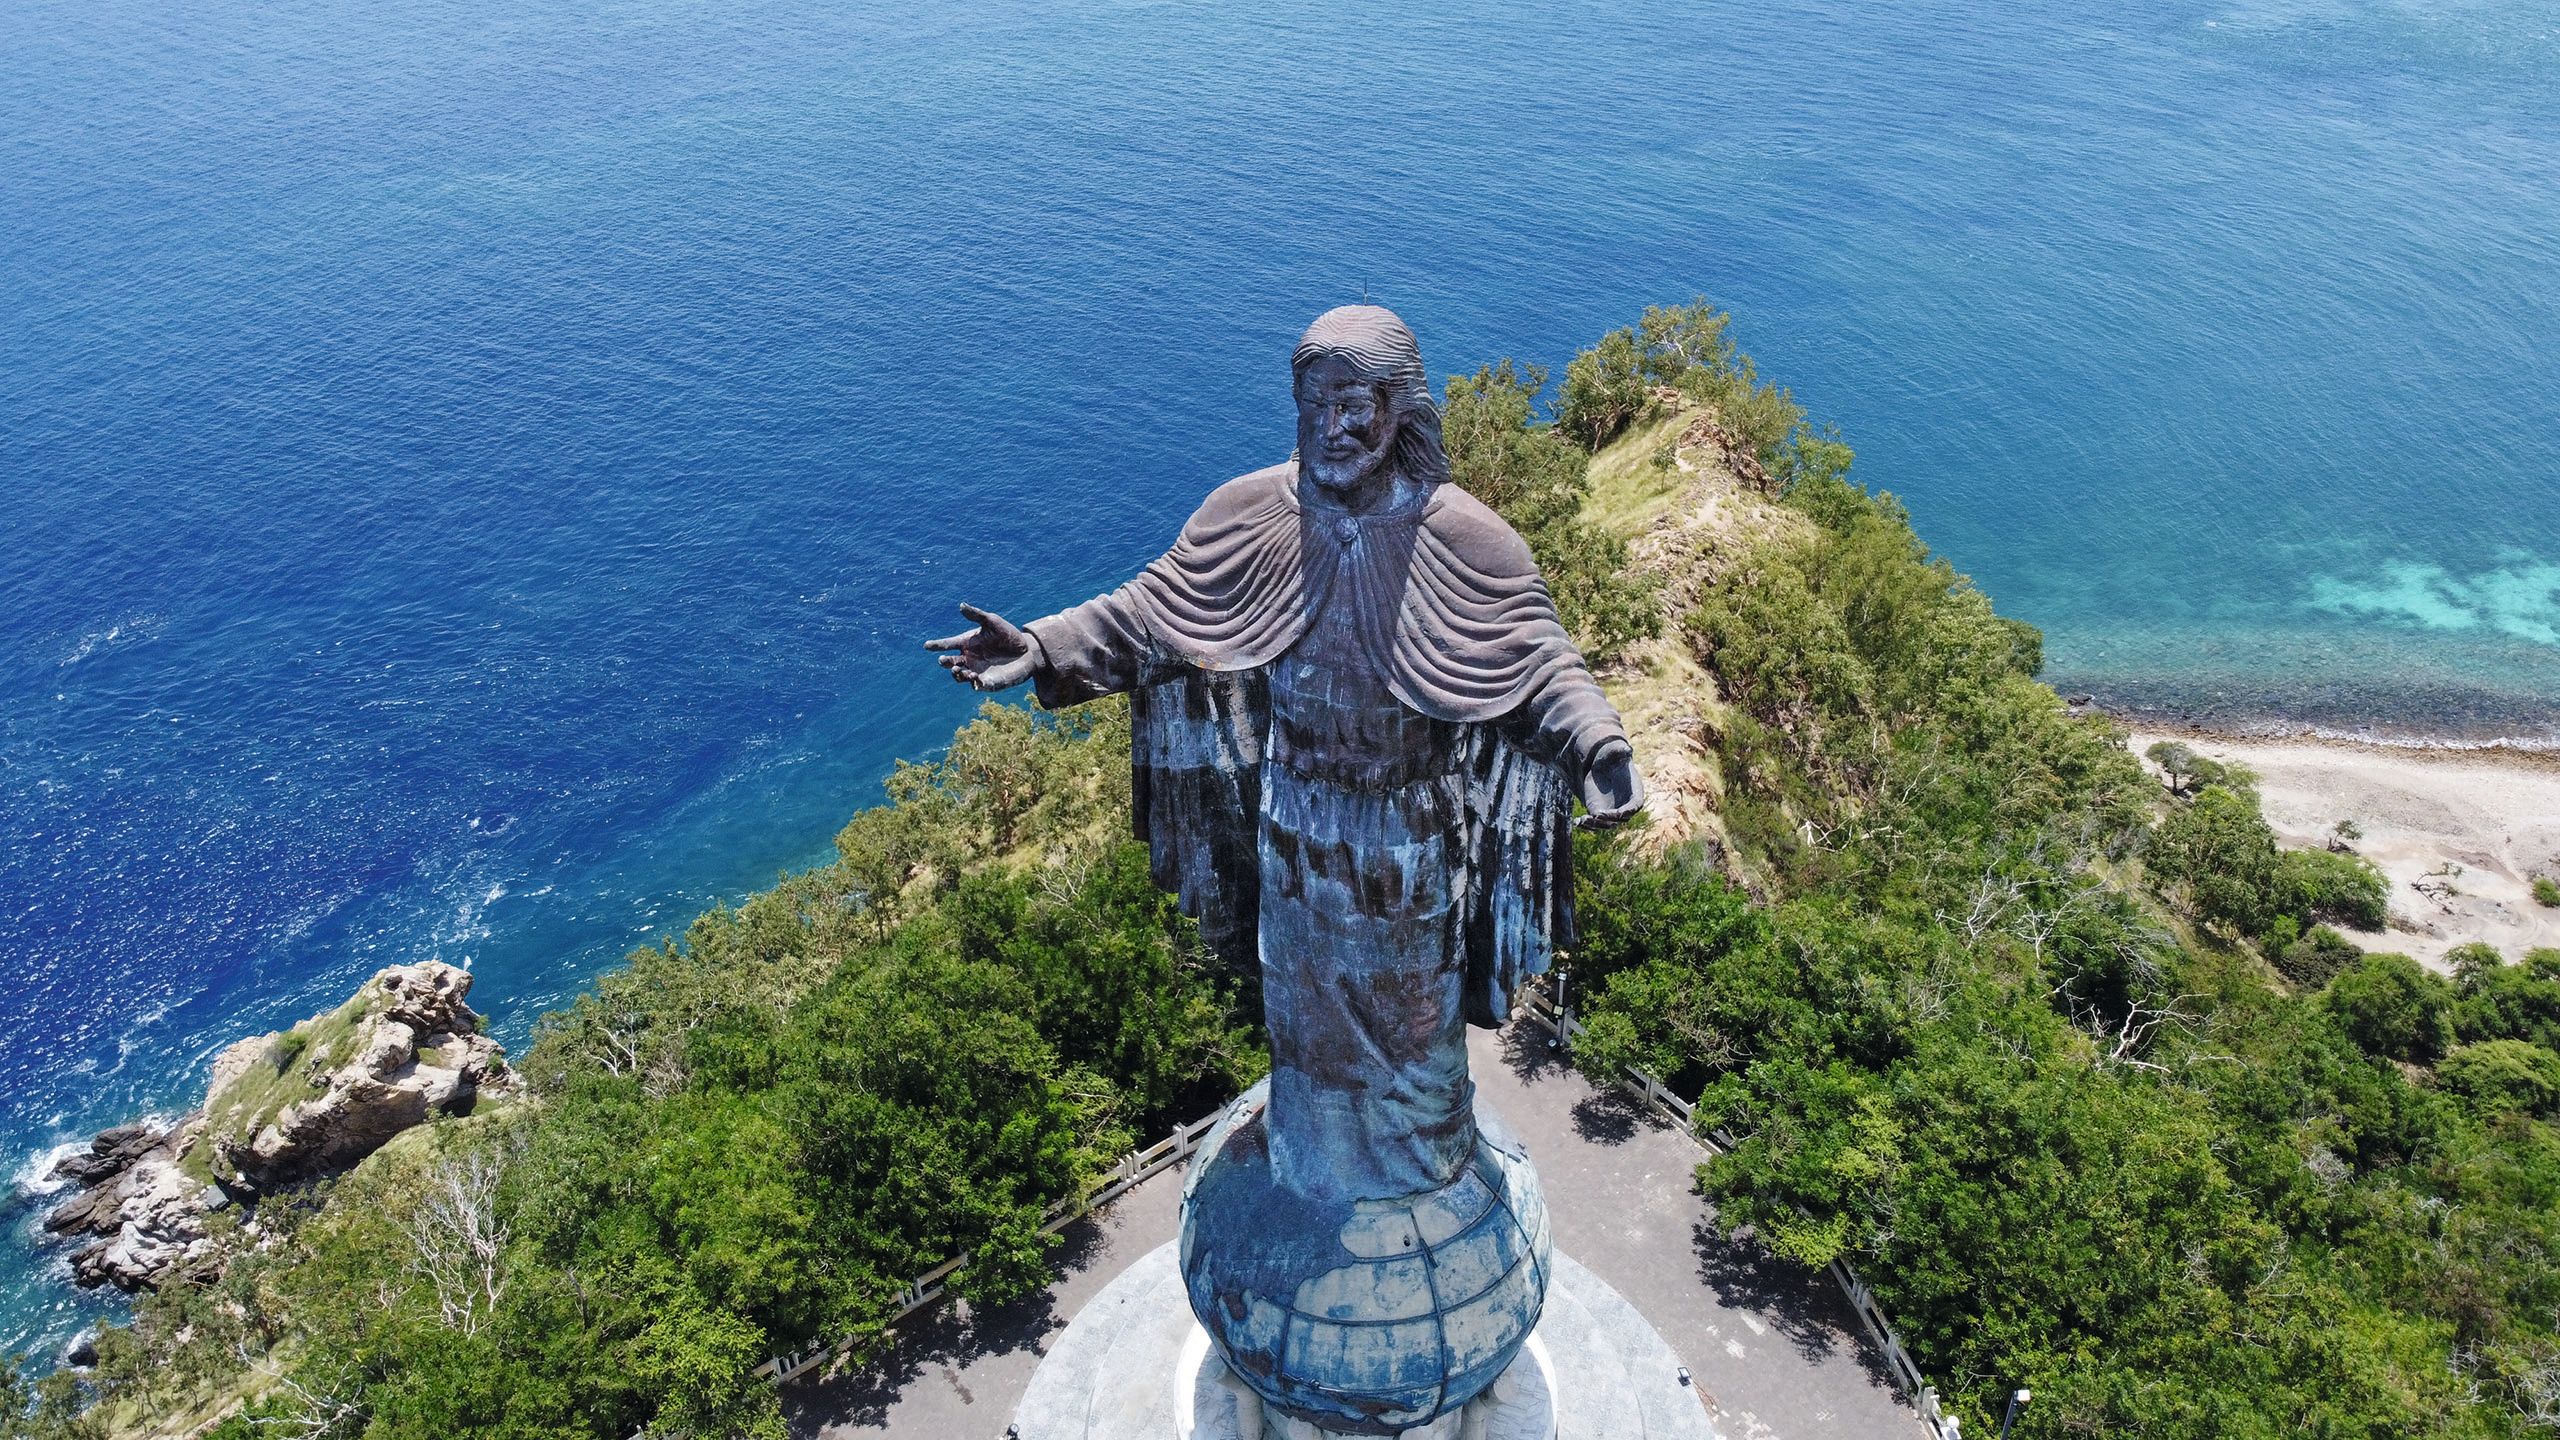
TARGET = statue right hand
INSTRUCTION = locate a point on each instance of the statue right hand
(998, 655)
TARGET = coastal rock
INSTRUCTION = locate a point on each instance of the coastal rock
(413, 1050)
(111, 1152)
(158, 1227)
(147, 1210)
(280, 1110)
(93, 1210)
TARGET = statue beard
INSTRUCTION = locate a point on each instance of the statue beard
(1340, 478)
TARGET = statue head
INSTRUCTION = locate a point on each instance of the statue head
(1364, 404)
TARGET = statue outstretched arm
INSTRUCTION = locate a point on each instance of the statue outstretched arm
(1572, 721)
(1101, 647)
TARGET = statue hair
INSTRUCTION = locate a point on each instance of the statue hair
(1382, 350)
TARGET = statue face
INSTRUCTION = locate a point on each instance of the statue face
(1344, 429)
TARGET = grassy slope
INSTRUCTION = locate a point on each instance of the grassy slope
(287, 1072)
(1682, 522)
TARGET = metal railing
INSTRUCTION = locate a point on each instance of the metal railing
(1139, 1166)
(1134, 1168)
(1862, 1300)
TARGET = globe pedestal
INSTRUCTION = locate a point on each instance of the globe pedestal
(1362, 1317)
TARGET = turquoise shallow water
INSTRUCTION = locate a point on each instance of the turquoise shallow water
(475, 471)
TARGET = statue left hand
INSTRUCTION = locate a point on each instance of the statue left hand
(996, 656)
(1612, 791)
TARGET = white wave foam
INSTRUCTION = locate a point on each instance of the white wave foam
(139, 627)
(2528, 744)
(2378, 737)
(34, 1176)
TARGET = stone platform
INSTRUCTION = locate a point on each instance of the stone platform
(1112, 1374)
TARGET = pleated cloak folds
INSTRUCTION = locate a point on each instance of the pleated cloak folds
(1448, 604)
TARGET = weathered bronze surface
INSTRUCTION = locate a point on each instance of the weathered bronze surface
(1360, 730)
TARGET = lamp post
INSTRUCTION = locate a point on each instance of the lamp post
(2017, 1401)
(1563, 1015)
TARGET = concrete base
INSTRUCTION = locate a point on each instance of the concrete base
(1211, 1403)
(1118, 1372)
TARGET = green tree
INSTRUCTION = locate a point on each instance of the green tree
(2510, 1002)
(2470, 961)
(1604, 391)
(42, 1409)
(935, 1119)
(2224, 856)
(1117, 975)
(2176, 760)
(2392, 1008)
(2503, 1075)
(1678, 968)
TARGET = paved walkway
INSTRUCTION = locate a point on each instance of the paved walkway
(1775, 1350)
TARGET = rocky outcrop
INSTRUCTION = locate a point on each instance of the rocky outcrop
(416, 1051)
(149, 1213)
(281, 1110)
(112, 1151)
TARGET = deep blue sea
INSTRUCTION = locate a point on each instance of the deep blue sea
(474, 473)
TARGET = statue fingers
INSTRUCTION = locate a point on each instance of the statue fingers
(951, 642)
(1609, 819)
(989, 622)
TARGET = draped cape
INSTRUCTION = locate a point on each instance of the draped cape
(1450, 607)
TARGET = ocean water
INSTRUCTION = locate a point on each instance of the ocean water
(474, 474)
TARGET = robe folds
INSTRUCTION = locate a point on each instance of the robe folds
(1445, 603)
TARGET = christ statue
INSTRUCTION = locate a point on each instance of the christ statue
(1359, 734)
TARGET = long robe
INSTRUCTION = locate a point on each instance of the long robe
(1357, 742)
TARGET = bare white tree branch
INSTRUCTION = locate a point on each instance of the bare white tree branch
(458, 1241)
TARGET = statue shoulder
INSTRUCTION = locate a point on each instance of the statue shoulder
(1469, 529)
(1247, 500)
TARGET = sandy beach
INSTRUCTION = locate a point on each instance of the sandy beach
(2493, 813)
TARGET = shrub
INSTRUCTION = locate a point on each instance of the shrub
(1536, 479)
(2470, 962)
(2283, 932)
(2316, 958)
(2503, 1075)
(2327, 885)
(2546, 891)
(2392, 1009)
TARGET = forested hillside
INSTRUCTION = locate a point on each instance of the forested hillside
(2067, 1057)
(2069, 1061)
(747, 1139)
